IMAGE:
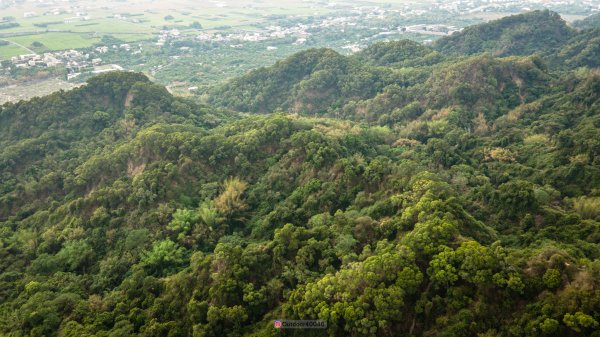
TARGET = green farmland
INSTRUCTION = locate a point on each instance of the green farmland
(10, 50)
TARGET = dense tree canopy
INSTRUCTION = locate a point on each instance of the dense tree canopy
(513, 35)
(415, 193)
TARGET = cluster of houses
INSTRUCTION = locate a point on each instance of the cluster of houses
(480, 6)
(78, 13)
(165, 35)
(123, 46)
(429, 29)
(124, 17)
(73, 60)
(303, 31)
(271, 32)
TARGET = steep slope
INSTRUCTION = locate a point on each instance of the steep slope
(323, 82)
(480, 82)
(521, 34)
(311, 82)
(68, 110)
(43, 139)
(592, 21)
(267, 89)
(403, 53)
(582, 50)
(153, 235)
(484, 82)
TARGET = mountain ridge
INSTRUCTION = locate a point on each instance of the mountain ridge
(423, 193)
(330, 84)
(515, 35)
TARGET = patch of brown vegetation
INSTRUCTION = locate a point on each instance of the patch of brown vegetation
(133, 169)
(128, 99)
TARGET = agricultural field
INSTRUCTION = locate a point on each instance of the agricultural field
(148, 16)
(34, 27)
(81, 24)
(9, 50)
(56, 41)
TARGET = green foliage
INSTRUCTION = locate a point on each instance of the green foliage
(587, 208)
(307, 82)
(404, 53)
(580, 51)
(7, 25)
(364, 298)
(580, 322)
(514, 197)
(589, 22)
(552, 278)
(549, 326)
(388, 76)
(513, 35)
(165, 258)
(459, 198)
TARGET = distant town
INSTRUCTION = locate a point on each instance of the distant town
(190, 49)
(76, 62)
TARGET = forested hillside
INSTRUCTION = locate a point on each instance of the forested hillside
(323, 82)
(400, 191)
(513, 35)
(591, 21)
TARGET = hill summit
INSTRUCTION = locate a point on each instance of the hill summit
(521, 34)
